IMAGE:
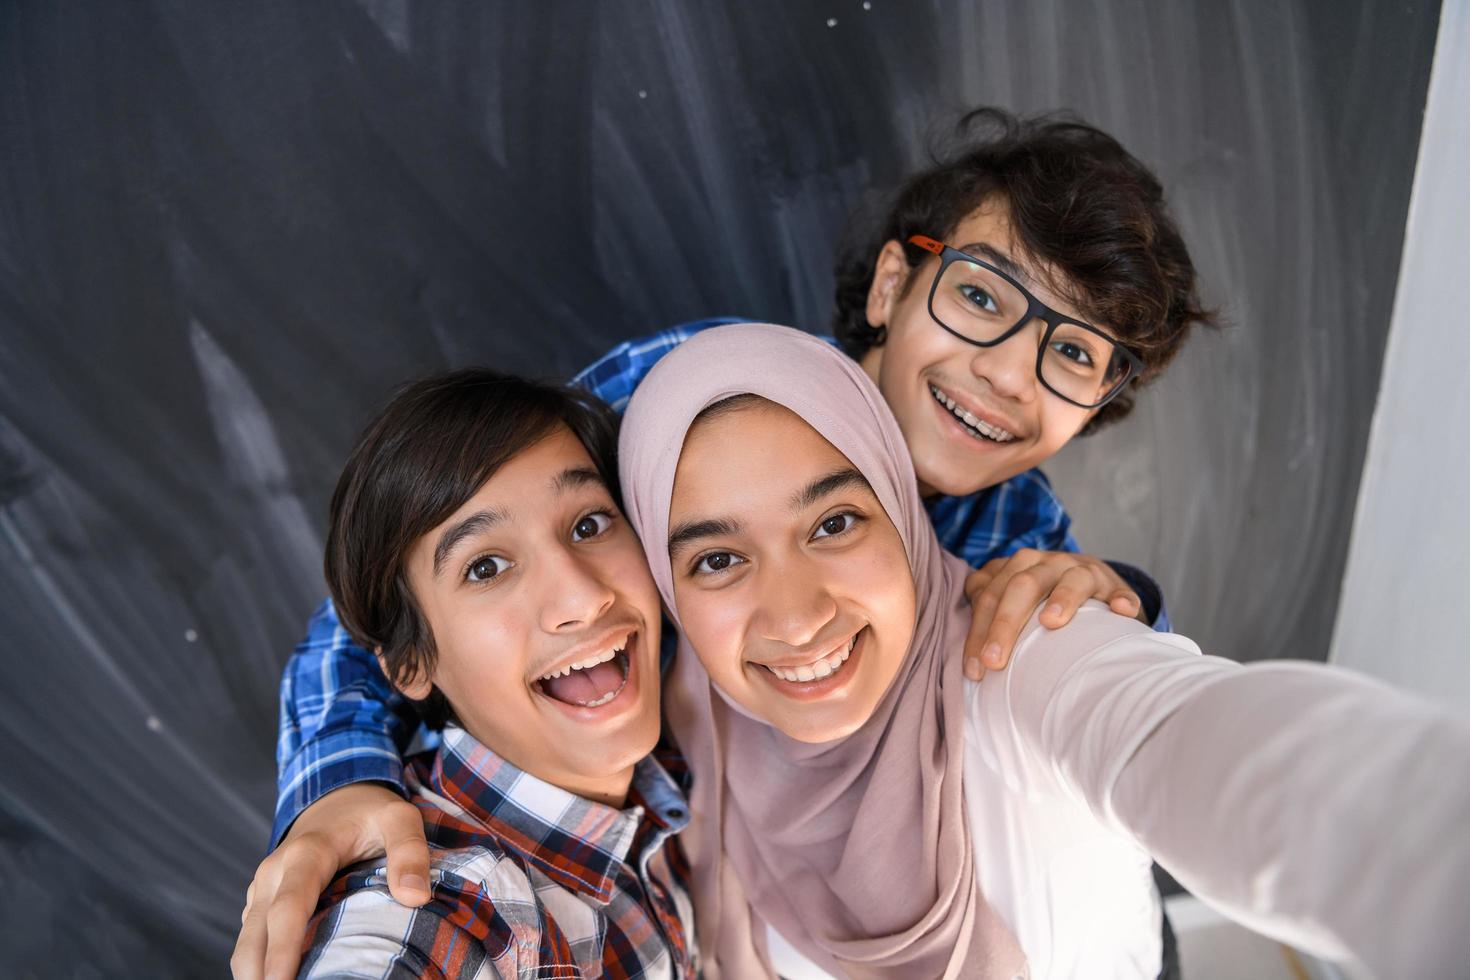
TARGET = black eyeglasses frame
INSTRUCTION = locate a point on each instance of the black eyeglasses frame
(1035, 310)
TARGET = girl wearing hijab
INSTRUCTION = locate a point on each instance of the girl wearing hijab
(861, 809)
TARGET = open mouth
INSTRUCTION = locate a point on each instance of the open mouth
(818, 670)
(591, 683)
(977, 427)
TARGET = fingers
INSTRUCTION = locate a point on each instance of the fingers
(979, 578)
(408, 854)
(975, 641)
(976, 585)
(247, 962)
(1115, 591)
(985, 586)
(1125, 602)
(307, 870)
(1023, 592)
(1076, 585)
(1004, 592)
(351, 823)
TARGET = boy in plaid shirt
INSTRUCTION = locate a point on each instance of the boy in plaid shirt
(475, 544)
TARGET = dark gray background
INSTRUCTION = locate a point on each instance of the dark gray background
(227, 230)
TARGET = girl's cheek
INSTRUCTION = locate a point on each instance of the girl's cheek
(722, 632)
(701, 628)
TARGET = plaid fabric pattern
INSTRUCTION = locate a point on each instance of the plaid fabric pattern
(528, 881)
(341, 722)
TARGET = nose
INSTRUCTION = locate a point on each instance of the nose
(795, 603)
(571, 591)
(1010, 366)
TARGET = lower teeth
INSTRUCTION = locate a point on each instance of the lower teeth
(626, 667)
(830, 673)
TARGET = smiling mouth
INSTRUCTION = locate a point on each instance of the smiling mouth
(977, 427)
(591, 683)
(820, 670)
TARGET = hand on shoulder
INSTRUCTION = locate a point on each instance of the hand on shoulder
(1005, 591)
(348, 825)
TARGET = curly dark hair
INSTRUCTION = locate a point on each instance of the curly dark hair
(418, 461)
(1078, 202)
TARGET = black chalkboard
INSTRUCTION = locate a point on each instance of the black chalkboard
(227, 230)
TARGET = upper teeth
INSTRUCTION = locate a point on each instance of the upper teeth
(601, 658)
(822, 668)
(992, 431)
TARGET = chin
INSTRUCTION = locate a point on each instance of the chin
(950, 484)
(631, 742)
(820, 733)
(640, 739)
(956, 484)
(622, 752)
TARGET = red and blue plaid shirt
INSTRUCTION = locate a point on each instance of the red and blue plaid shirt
(528, 880)
(341, 722)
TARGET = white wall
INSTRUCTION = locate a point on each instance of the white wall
(1407, 584)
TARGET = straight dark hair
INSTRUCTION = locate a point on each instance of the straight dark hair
(431, 449)
(1077, 201)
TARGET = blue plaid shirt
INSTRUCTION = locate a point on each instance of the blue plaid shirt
(341, 722)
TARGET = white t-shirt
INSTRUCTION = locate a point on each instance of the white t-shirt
(1310, 803)
(1079, 898)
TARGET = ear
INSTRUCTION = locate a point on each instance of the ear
(415, 688)
(890, 272)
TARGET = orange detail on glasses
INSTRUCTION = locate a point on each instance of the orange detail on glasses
(926, 243)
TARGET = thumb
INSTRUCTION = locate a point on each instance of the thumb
(402, 831)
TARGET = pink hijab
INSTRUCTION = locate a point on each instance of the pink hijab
(858, 849)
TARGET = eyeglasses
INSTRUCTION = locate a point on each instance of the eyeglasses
(981, 305)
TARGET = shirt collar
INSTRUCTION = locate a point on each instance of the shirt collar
(577, 842)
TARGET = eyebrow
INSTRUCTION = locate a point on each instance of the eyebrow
(574, 477)
(476, 523)
(690, 531)
(571, 478)
(846, 478)
(996, 257)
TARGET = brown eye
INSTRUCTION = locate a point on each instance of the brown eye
(486, 568)
(591, 526)
(716, 561)
(835, 525)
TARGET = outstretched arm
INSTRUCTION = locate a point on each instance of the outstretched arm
(1311, 803)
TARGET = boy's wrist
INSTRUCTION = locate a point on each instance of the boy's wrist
(304, 786)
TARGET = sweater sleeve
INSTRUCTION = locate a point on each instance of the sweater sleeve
(1310, 803)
